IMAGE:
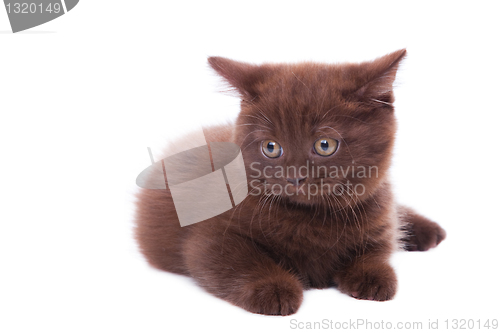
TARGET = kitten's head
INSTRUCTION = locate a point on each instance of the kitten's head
(314, 133)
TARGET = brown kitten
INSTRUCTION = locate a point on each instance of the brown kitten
(262, 254)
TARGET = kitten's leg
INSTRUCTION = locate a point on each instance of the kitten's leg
(235, 269)
(421, 234)
(368, 277)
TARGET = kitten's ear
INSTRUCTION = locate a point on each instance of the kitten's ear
(242, 76)
(379, 77)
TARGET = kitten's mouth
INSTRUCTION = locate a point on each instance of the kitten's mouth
(286, 190)
(310, 192)
(296, 190)
(302, 192)
(307, 193)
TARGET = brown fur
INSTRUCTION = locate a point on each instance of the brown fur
(262, 254)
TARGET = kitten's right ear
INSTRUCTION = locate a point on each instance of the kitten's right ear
(242, 76)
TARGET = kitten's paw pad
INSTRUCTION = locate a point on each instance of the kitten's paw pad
(425, 237)
(274, 296)
(374, 286)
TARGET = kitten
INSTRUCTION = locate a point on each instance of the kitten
(331, 224)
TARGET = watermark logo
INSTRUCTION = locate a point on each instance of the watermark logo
(25, 15)
(204, 181)
(332, 180)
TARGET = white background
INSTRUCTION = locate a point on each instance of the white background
(82, 97)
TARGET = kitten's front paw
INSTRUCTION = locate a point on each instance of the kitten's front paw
(273, 296)
(378, 284)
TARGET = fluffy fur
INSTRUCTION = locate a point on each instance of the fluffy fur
(262, 254)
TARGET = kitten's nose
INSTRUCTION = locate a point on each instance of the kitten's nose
(296, 181)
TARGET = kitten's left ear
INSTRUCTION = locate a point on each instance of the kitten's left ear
(379, 77)
(242, 76)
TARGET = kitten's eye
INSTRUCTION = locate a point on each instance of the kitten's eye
(271, 149)
(326, 146)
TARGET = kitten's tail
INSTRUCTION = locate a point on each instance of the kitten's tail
(418, 232)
